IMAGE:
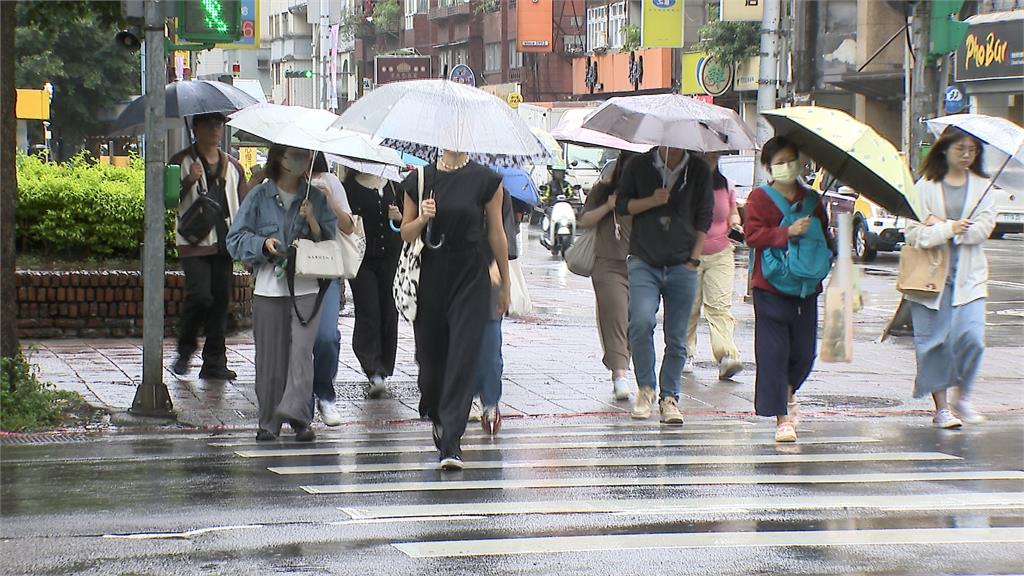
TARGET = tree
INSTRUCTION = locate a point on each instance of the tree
(387, 15)
(729, 42)
(88, 71)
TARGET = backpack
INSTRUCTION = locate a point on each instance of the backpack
(797, 269)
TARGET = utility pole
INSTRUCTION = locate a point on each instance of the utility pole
(767, 85)
(151, 397)
(924, 85)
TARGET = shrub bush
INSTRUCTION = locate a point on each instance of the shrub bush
(82, 208)
(30, 404)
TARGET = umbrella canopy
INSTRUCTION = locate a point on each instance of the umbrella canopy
(420, 116)
(852, 152)
(519, 184)
(1003, 142)
(672, 120)
(552, 145)
(308, 128)
(382, 170)
(187, 98)
(570, 129)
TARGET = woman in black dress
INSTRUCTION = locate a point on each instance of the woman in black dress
(453, 296)
(375, 337)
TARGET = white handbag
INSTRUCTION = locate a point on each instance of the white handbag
(317, 260)
(353, 249)
(407, 278)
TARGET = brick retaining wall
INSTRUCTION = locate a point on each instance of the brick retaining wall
(107, 304)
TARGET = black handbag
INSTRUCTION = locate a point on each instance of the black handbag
(202, 216)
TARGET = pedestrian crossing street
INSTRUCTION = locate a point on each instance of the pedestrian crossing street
(613, 485)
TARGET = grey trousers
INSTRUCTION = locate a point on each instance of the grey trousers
(284, 359)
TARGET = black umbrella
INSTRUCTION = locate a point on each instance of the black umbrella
(187, 98)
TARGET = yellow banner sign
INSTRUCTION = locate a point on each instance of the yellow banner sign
(32, 105)
(662, 24)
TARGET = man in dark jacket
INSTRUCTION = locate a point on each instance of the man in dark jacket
(206, 169)
(668, 193)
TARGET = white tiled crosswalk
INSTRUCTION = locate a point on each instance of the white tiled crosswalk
(626, 472)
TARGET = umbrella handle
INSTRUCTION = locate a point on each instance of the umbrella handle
(429, 242)
(992, 181)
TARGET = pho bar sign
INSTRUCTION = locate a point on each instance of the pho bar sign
(991, 51)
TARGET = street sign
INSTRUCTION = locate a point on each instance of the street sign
(463, 74)
(514, 100)
(954, 100)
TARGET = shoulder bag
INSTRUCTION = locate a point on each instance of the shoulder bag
(407, 278)
(923, 271)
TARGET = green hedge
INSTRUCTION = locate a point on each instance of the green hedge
(80, 208)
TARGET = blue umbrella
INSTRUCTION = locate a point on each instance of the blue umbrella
(519, 184)
(413, 160)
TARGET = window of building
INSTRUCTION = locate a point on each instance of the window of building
(574, 44)
(616, 20)
(597, 27)
(515, 57)
(492, 57)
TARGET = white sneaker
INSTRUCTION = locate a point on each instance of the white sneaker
(688, 367)
(377, 387)
(729, 367)
(670, 413)
(965, 410)
(944, 419)
(620, 388)
(476, 410)
(643, 404)
(329, 413)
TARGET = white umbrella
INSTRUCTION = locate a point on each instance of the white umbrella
(672, 120)
(301, 127)
(570, 129)
(382, 170)
(420, 116)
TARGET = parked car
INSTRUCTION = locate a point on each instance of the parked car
(875, 229)
(1009, 196)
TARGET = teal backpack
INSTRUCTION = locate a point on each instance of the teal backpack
(799, 268)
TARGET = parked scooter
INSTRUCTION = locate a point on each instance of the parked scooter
(558, 227)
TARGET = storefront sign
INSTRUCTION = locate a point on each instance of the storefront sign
(954, 100)
(397, 68)
(714, 78)
(747, 74)
(463, 74)
(535, 21)
(991, 51)
(662, 24)
(741, 10)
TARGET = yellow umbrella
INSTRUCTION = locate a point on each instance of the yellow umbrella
(852, 152)
(552, 145)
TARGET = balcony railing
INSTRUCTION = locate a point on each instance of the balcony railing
(450, 11)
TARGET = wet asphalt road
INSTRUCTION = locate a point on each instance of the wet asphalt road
(559, 496)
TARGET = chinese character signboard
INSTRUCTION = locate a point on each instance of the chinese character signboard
(991, 51)
(535, 20)
(741, 10)
(661, 24)
(398, 68)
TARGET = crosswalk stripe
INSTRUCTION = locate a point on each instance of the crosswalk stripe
(505, 445)
(472, 435)
(631, 461)
(541, 483)
(555, 544)
(888, 502)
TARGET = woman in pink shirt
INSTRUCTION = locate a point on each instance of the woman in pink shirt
(716, 277)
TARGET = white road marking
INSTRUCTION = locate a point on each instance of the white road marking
(556, 544)
(507, 446)
(554, 483)
(181, 535)
(631, 461)
(930, 501)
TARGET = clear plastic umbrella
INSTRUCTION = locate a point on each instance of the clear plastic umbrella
(302, 127)
(570, 129)
(421, 116)
(672, 120)
(1004, 145)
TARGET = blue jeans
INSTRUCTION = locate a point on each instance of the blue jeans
(327, 348)
(647, 286)
(491, 365)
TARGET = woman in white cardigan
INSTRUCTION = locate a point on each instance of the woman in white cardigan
(949, 329)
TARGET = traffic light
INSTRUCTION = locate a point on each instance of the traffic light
(210, 21)
(947, 33)
(298, 73)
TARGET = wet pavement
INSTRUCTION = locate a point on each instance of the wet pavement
(591, 495)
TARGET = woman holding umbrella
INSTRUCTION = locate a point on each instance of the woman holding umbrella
(280, 210)
(461, 202)
(610, 277)
(949, 328)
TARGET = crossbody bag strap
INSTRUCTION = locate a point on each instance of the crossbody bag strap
(290, 274)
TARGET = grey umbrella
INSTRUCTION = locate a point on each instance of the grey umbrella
(187, 98)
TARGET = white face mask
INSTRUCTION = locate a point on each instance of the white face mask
(294, 163)
(786, 173)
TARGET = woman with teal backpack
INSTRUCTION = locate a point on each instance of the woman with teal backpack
(787, 231)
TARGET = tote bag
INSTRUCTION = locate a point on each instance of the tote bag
(407, 278)
(923, 271)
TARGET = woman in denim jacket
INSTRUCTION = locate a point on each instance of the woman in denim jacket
(274, 214)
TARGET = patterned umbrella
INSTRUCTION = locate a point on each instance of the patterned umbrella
(419, 117)
(852, 152)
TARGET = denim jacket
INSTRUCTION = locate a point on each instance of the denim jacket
(262, 215)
